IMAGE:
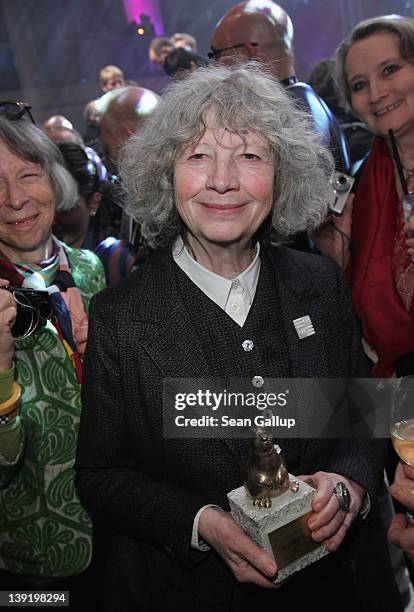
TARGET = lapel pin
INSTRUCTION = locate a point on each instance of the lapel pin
(304, 327)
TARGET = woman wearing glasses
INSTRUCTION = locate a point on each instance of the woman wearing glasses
(45, 533)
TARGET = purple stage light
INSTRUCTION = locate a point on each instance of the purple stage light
(135, 9)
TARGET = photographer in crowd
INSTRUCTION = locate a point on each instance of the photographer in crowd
(45, 534)
(88, 226)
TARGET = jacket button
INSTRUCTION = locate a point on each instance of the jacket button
(257, 381)
(248, 345)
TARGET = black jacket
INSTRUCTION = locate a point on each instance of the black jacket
(325, 123)
(147, 489)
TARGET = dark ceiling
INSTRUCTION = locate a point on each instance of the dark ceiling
(51, 50)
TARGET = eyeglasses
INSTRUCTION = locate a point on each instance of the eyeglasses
(14, 110)
(215, 53)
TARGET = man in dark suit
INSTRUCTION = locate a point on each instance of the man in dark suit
(219, 302)
(263, 31)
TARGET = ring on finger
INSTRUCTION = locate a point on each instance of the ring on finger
(342, 495)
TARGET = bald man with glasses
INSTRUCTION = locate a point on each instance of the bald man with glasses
(263, 31)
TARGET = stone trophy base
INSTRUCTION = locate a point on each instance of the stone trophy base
(281, 529)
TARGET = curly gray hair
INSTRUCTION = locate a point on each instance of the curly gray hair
(403, 27)
(28, 142)
(241, 97)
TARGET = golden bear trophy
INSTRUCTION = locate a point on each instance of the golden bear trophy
(273, 508)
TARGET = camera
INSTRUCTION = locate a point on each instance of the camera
(342, 186)
(33, 311)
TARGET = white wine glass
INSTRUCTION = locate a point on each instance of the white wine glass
(402, 418)
(402, 422)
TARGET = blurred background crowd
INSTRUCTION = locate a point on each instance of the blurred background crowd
(86, 76)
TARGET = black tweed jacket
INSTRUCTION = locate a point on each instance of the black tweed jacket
(147, 490)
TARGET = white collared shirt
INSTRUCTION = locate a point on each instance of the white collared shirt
(235, 296)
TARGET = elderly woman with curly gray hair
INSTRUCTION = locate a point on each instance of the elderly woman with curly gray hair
(226, 156)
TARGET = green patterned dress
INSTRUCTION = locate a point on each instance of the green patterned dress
(44, 530)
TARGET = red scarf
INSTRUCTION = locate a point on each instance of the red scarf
(377, 238)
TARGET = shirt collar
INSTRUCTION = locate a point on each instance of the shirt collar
(216, 287)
